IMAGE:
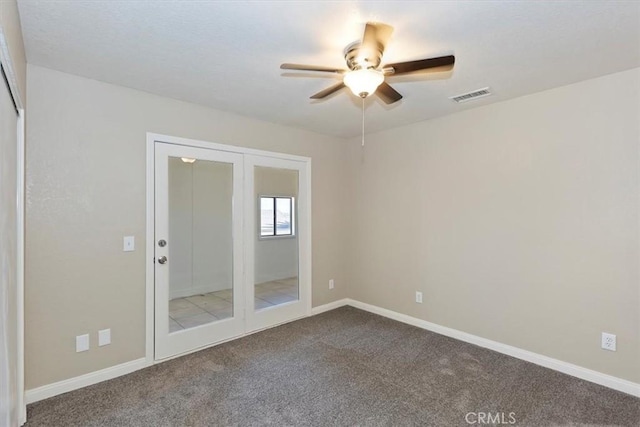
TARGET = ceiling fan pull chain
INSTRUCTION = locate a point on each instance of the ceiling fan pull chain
(363, 122)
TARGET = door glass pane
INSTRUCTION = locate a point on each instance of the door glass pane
(283, 216)
(266, 216)
(200, 242)
(276, 249)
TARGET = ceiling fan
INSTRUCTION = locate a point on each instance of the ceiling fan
(364, 75)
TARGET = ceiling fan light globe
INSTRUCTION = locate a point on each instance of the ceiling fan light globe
(363, 82)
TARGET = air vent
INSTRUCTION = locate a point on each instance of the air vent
(480, 93)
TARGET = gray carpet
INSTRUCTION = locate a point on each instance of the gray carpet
(346, 367)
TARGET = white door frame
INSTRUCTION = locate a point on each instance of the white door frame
(7, 63)
(305, 244)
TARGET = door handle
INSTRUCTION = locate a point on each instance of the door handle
(162, 259)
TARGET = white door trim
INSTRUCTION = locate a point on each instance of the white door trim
(150, 229)
(149, 252)
(222, 147)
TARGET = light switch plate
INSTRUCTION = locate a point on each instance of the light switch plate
(104, 337)
(129, 243)
(82, 343)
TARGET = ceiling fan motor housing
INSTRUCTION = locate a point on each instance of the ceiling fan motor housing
(358, 58)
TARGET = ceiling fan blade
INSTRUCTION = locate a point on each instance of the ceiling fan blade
(328, 91)
(442, 63)
(320, 68)
(388, 94)
(376, 35)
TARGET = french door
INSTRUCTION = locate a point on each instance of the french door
(231, 244)
(276, 241)
(198, 263)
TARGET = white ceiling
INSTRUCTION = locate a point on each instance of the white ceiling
(226, 55)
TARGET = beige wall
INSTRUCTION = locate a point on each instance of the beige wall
(86, 190)
(518, 221)
(10, 27)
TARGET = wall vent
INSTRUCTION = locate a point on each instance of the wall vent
(475, 94)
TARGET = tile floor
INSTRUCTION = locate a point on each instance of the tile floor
(196, 310)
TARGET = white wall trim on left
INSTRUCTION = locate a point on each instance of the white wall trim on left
(20, 261)
(65, 386)
(5, 58)
(9, 70)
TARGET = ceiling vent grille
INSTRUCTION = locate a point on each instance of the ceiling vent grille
(475, 94)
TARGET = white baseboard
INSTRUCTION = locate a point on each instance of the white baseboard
(545, 361)
(330, 306)
(615, 383)
(50, 390)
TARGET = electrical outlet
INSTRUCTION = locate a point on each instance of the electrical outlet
(104, 337)
(82, 343)
(331, 284)
(608, 341)
(419, 297)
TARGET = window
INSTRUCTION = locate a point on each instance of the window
(276, 211)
